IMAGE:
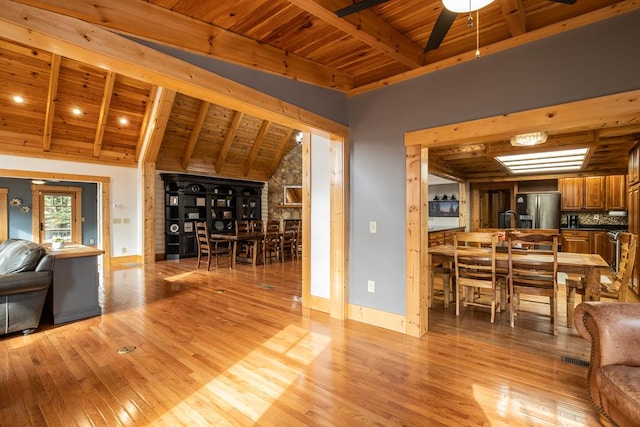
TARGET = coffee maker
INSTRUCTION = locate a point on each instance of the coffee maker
(572, 221)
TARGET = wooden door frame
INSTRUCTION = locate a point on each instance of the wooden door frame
(104, 189)
(587, 113)
(4, 215)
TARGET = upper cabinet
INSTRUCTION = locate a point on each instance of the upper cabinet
(634, 165)
(596, 193)
(616, 192)
(582, 193)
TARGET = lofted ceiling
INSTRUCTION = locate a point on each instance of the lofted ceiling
(300, 39)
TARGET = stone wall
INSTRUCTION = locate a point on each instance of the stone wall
(289, 172)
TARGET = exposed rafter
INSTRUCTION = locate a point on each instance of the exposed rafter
(51, 101)
(109, 81)
(256, 146)
(231, 133)
(195, 134)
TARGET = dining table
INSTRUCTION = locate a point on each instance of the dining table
(254, 237)
(589, 266)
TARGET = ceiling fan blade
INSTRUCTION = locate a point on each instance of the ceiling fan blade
(440, 30)
(564, 1)
(357, 7)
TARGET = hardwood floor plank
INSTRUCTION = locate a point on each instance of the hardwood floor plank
(235, 348)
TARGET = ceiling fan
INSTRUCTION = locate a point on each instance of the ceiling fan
(440, 29)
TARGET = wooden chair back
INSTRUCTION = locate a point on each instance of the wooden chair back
(242, 226)
(620, 283)
(209, 248)
(273, 226)
(475, 268)
(257, 226)
(533, 270)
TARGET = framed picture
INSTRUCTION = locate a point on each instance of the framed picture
(444, 208)
(201, 201)
(173, 200)
(188, 227)
(221, 203)
(193, 215)
(226, 214)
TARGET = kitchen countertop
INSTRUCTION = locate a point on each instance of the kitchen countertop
(437, 228)
(599, 227)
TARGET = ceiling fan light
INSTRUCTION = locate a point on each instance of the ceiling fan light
(528, 139)
(464, 6)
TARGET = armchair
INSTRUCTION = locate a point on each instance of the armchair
(614, 373)
(26, 272)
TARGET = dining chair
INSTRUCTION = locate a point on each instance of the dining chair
(208, 247)
(614, 286)
(271, 245)
(529, 275)
(475, 271)
(273, 225)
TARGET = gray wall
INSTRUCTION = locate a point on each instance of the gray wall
(601, 59)
(20, 222)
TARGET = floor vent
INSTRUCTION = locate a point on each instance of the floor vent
(127, 349)
(266, 286)
(575, 361)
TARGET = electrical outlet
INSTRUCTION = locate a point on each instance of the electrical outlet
(373, 227)
(371, 286)
(123, 250)
(125, 220)
(596, 216)
(117, 220)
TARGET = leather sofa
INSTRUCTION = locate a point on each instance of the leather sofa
(26, 273)
(614, 372)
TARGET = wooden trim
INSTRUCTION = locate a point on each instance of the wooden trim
(416, 219)
(51, 101)
(319, 304)
(579, 116)
(4, 214)
(120, 261)
(144, 128)
(570, 24)
(103, 190)
(306, 222)
(89, 43)
(381, 319)
(149, 209)
(338, 249)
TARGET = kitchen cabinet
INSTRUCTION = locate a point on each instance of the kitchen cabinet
(576, 241)
(444, 237)
(634, 165)
(616, 198)
(634, 227)
(586, 193)
(599, 244)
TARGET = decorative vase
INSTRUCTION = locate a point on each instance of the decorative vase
(57, 245)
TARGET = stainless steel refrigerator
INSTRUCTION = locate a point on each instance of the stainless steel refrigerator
(538, 210)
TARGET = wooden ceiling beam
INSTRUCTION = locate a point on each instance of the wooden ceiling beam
(91, 44)
(51, 101)
(281, 147)
(369, 28)
(109, 81)
(144, 127)
(195, 134)
(256, 146)
(228, 140)
(164, 26)
(158, 120)
(514, 14)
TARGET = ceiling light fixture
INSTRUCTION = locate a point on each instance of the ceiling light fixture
(123, 121)
(37, 181)
(550, 161)
(464, 6)
(529, 139)
(18, 99)
(76, 111)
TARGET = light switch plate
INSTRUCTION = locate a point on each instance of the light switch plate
(373, 227)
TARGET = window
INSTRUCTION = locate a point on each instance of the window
(58, 212)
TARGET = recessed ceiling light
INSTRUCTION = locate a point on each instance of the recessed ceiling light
(37, 181)
(76, 111)
(18, 99)
(123, 121)
(549, 161)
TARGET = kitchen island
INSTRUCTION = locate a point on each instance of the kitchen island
(74, 292)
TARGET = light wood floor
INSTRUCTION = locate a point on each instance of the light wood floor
(236, 348)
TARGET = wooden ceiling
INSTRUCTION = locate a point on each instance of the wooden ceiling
(300, 39)
(608, 154)
(307, 41)
(112, 118)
